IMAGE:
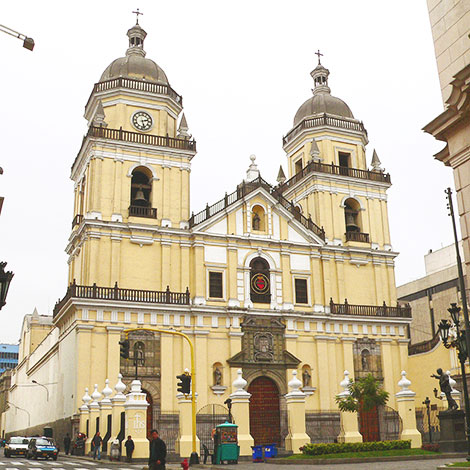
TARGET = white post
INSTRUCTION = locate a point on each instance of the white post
(136, 419)
(407, 412)
(349, 424)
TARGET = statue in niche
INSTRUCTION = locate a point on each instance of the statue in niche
(306, 378)
(256, 221)
(217, 376)
(365, 357)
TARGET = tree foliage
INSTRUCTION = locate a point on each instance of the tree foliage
(364, 394)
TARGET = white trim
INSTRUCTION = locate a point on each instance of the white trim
(355, 198)
(144, 165)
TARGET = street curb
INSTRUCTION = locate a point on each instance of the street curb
(397, 458)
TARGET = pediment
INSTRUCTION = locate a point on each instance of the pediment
(215, 219)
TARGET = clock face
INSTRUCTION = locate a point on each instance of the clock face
(142, 121)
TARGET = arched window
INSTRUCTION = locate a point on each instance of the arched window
(258, 221)
(260, 289)
(141, 187)
(351, 215)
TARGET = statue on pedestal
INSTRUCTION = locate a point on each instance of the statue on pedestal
(444, 384)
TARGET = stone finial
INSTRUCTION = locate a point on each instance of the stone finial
(239, 383)
(252, 172)
(96, 395)
(86, 398)
(452, 382)
(98, 119)
(345, 385)
(315, 151)
(183, 129)
(376, 163)
(281, 177)
(294, 384)
(404, 384)
(136, 386)
(120, 387)
(107, 391)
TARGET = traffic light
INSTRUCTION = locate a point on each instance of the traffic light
(125, 345)
(184, 384)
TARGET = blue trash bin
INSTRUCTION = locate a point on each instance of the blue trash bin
(257, 453)
(270, 450)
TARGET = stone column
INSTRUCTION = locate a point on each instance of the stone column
(241, 413)
(84, 412)
(184, 444)
(406, 408)
(349, 422)
(118, 407)
(136, 419)
(295, 400)
(94, 407)
(106, 408)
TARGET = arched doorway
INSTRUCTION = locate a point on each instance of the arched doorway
(149, 399)
(265, 415)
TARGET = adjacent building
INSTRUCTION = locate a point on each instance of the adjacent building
(8, 356)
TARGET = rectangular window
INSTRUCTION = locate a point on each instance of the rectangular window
(301, 296)
(298, 165)
(344, 159)
(215, 285)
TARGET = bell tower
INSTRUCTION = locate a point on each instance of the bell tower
(131, 174)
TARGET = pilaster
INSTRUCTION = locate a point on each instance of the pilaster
(184, 444)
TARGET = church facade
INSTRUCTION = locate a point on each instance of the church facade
(296, 275)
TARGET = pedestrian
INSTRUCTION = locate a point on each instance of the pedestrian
(67, 442)
(129, 448)
(157, 452)
(97, 446)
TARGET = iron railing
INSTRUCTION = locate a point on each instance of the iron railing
(139, 85)
(424, 346)
(324, 120)
(246, 188)
(118, 294)
(139, 211)
(357, 237)
(370, 310)
(331, 169)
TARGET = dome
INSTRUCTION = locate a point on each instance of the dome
(323, 103)
(137, 67)
(134, 64)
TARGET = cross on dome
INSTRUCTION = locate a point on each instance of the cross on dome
(137, 14)
(319, 54)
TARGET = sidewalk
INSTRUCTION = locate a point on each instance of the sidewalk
(138, 463)
(422, 464)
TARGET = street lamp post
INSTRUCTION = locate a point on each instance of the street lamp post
(453, 337)
(5, 279)
(427, 402)
(43, 386)
(22, 409)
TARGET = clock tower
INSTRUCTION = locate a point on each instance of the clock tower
(131, 174)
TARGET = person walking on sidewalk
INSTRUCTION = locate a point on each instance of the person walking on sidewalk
(129, 448)
(157, 454)
(97, 446)
(67, 442)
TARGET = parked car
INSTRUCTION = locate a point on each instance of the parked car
(42, 447)
(16, 446)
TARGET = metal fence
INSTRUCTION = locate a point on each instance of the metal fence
(207, 418)
(168, 424)
(380, 424)
(428, 424)
(323, 426)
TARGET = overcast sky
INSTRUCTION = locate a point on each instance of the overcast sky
(243, 69)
